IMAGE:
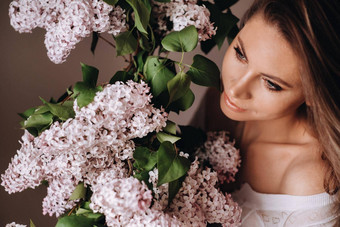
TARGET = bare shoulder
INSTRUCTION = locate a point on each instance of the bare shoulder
(305, 174)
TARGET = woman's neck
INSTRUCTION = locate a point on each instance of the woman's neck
(286, 130)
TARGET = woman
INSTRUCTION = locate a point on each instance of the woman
(281, 80)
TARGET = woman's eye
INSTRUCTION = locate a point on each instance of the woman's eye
(272, 86)
(239, 54)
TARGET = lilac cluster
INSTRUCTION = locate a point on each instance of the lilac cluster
(98, 139)
(119, 199)
(198, 202)
(183, 13)
(66, 22)
(126, 202)
(221, 154)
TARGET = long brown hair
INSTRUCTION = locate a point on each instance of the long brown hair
(312, 29)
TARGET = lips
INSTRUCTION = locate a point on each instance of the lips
(232, 105)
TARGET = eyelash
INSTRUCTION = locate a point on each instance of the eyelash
(239, 55)
(271, 86)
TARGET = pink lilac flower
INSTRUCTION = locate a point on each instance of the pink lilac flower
(119, 199)
(199, 201)
(153, 218)
(66, 22)
(222, 155)
(78, 150)
(184, 13)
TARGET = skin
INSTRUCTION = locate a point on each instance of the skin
(263, 89)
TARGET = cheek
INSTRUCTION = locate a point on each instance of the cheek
(277, 105)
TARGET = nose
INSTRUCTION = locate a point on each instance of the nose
(240, 87)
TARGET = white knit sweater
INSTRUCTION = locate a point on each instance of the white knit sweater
(269, 210)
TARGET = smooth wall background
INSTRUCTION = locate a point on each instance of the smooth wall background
(26, 73)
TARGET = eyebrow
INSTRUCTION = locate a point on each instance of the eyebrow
(278, 80)
(266, 75)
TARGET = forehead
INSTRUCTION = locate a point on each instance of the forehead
(268, 51)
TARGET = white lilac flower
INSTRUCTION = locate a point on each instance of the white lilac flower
(119, 199)
(66, 22)
(97, 139)
(101, 18)
(183, 13)
(24, 15)
(13, 224)
(222, 155)
(199, 201)
(117, 21)
(153, 218)
(58, 193)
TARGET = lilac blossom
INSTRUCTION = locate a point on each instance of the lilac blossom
(199, 201)
(66, 22)
(119, 199)
(184, 13)
(78, 150)
(222, 155)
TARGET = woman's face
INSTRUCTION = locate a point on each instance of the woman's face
(260, 75)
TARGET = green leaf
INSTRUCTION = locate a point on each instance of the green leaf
(145, 44)
(39, 120)
(83, 211)
(94, 41)
(170, 127)
(178, 86)
(181, 41)
(162, 137)
(31, 223)
(157, 74)
(86, 90)
(27, 113)
(32, 131)
(139, 60)
(224, 23)
(126, 43)
(75, 221)
(85, 93)
(42, 109)
(170, 165)
(79, 192)
(61, 111)
(121, 76)
(90, 75)
(111, 2)
(142, 15)
(144, 158)
(204, 72)
(174, 187)
(86, 205)
(94, 216)
(183, 103)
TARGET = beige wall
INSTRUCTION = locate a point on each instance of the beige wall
(27, 73)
